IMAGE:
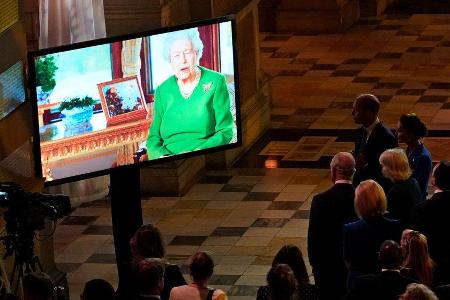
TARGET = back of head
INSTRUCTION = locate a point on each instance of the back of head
(417, 291)
(98, 289)
(441, 175)
(417, 257)
(37, 286)
(413, 125)
(293, 257)
(395, 165)
(369, 102)
(370, 200)
(281, 281)
(343, 165)
(201, 266)
(147, 242)
(390, 255)
(150, 275)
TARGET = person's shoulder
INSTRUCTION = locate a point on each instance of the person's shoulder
(211, 74)
(219, 295)
(392, 222)
(177, 289)
(169, 83)
(353, 226)
(337, 190)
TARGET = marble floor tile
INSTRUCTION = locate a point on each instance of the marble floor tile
(257, 241)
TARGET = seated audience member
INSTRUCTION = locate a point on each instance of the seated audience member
(293, 257)
(432, 218)
(147, 243)
(404, 241)
(443, 291)
(37, 286)
(371, 139)
(387, 285)
(281, 284)
(98, 289)
(362, 238)
(417, 262)
(330, 210)
(411, 130)
(201, 268)
(150, 278)
(417, 291)
(405, 191)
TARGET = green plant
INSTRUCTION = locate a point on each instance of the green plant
(76, 102)
(45, 73)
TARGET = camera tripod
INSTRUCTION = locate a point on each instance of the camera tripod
(24, 259)
(23, 268)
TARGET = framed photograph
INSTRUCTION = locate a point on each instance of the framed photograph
(122, 100)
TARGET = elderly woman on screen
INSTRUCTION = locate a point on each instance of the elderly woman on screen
(192, 107)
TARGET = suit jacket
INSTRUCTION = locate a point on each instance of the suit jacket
(432, 218)
(330, 210)
(401, 199)
(387, 285)
(362, 240)
(379, 140)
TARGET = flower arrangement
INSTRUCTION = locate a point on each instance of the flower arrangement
(76, 102)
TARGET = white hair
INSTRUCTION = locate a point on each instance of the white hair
(191, 34)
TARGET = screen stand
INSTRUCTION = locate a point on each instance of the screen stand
(126, 213)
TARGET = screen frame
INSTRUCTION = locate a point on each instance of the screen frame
(31, 85)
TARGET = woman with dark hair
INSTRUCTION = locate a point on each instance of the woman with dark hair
(98, 289)
(293, 257)
(201, 268)
(282, 284)
(417, 262)
(411, 130)
(147, 242)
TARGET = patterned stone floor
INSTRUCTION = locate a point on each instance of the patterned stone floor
(245, 214)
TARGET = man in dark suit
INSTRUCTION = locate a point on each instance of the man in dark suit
(432, 218)
(330, 210)
(387, 285)
(371, 139)
(150, 278)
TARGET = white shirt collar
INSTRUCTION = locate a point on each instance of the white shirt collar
(343, 181)
(370, 128)
(392, 270)
(149, 296)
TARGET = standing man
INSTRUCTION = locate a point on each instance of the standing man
(432, 218)
(372, 139)
(330, 210)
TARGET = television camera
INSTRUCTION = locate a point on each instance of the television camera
(26, 213)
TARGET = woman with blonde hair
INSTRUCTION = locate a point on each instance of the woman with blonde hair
(405, 191)
(362, 239)
(417, 291)
(417, 262)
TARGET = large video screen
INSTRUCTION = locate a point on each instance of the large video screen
(143, 98)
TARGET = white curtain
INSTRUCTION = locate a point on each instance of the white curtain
(131, 60)
(65, 22)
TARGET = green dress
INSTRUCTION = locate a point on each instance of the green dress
(182, 125)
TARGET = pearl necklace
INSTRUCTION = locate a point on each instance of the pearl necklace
(187, 89)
